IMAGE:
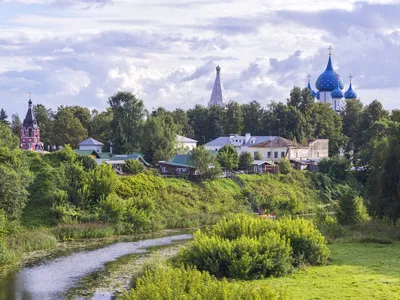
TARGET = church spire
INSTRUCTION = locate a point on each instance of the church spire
(218, 92)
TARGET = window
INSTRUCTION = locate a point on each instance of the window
(30, 132)
(276, 154)
(297, 154)
(282, 154)
(164, 170)
(317, 154)
(269, 154)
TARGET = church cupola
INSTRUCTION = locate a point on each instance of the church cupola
(218, 92)
(30, 133)
(350, 93)
(313, 94)
(329, 79)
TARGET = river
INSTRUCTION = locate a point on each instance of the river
(50, 280)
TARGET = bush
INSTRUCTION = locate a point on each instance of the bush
(308, 244)
(351, 210)
(247, 247)
(132, 167)
(336, 167)
(328, 225)
(134, 214)
(244, 257)
(167, 283)
(284, 166)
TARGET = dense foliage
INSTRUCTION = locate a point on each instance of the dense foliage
(164, 282)
(247, 247)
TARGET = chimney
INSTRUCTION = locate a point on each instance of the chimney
(247, 137)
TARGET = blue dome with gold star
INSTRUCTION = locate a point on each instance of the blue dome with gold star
(350, 93)
(337, 93)
(329, 79)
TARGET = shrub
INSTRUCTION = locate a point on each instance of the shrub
(244, 257)
(134, 214)
(328, 225)
(132, 167)
(165, 282)
(308, 244)
(351, 210)
(336, 167)
(284, 166)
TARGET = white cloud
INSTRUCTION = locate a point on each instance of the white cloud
(166, 51)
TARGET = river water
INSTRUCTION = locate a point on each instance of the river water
(50, 280)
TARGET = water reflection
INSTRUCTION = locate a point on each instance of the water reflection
(50, 281)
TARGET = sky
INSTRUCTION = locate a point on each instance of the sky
(80, 52)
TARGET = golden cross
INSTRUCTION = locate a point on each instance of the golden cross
(330, 49)
(350, 77)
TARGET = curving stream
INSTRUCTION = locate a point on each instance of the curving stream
(52, 279)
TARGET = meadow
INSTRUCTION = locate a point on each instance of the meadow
(356, 271)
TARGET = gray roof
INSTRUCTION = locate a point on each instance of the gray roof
(90, 142)
(218, 92)
(224, 140)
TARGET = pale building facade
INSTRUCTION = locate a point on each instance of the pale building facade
(185, 144)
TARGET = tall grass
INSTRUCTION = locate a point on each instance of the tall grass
(82, 231)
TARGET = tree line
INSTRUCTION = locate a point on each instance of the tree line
(128, 127)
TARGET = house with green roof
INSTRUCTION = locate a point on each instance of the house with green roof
(180, 164)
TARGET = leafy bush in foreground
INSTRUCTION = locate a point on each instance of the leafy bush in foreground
(179, 283)
(244, 257)
(309, 245)
(248, 247)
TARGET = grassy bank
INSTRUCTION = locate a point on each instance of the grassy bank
(357, 271)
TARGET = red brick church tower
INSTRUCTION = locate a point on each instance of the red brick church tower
(30, 133)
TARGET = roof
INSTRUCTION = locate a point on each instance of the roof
(225, 140)
(132, 156)
(180, 160)
(218, 92)
(105, 155)
(90, 142)
(30, 120)
(183, 139)
(329, 79)
(350, 93)
(261, 162)
(277, 142)
(87, 152)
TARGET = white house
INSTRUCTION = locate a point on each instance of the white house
(185, 144)
(91, 144)
(279, 147)
(241, 143)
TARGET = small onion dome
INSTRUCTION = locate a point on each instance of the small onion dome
(317, 95)
(350, 93)
(329, 79)
(313, 94)
(337, 93)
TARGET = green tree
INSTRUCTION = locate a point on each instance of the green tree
(351, 118)
(15, 179)
(44, 118)
(245, 161)
(8, 139)
(182, 121)
(127, 124)
(284, 166)
(252, 117)
(3, 117)
(100, 127)
(205, 163)
(215, 122)
(198, 120)
(257, 156)
(384, 181)
(351, 208)
(67, 129)
(233, 122)
(336, 167)
(228, 157)
(159, 138)
(16, 125)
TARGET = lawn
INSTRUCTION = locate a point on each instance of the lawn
(357, 271)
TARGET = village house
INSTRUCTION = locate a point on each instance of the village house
(279, 147)
(91, 144)
(241, 143)
(185, 144)
(180, 164)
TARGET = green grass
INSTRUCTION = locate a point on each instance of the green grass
(357, 271)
